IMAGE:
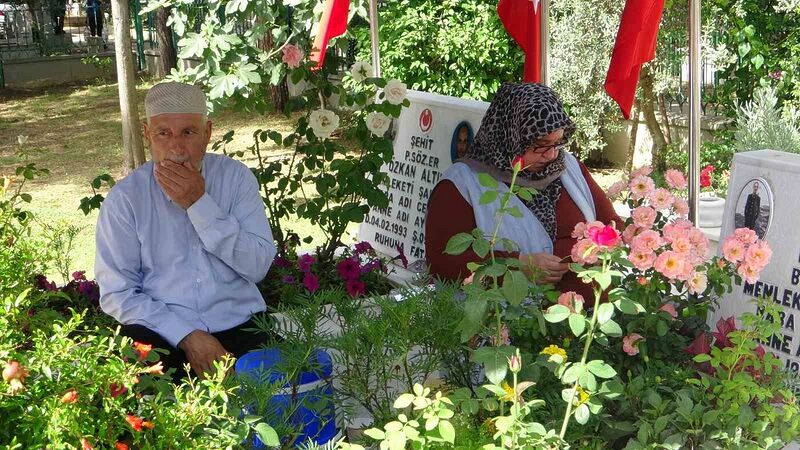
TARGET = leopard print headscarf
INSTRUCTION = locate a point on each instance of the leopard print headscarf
(519, 115)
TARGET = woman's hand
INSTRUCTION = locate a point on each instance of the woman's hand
(543, 268)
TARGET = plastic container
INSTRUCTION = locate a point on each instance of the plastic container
(312, 387)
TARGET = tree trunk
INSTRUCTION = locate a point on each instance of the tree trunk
(166, 47)
(279, 94)
(133, 149)
(647, 106)
(662, 107)
(633, 135)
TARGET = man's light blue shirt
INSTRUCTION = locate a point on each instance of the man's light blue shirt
(174, 270)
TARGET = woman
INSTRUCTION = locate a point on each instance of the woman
(528, 120)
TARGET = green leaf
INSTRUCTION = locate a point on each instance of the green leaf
(481, 247)
(495, 362)
(487, 180)
(515, 287)
(661, 328)
(514, 212)
(375, 433)
(447, 431)
(758, 61)
(403, 401)
(192, 45)
(611, 328)
(582, 414)
(701, 358)
(488, 197)
(267, 435)
(604, 313)
(573, 373)
(601, 369)
(577, 323)
(744, 49)
(556, 313)
(459, 243)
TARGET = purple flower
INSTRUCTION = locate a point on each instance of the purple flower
(355, 288)
(280, 261)
(349, 269)
(776, 75)
(79, 275)
(305, 262)
(370, 266)
(401, 256)
(288, 279)
(364, 247)
(43, 284)
(311, 282)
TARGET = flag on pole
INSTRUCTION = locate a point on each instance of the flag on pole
(635, 45)
(521, 20)
(332, 24)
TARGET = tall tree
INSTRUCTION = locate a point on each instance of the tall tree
(166, 45)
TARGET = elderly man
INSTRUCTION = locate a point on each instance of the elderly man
(183, 240)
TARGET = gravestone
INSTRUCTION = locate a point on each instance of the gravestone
(429, 134)
(763, 196)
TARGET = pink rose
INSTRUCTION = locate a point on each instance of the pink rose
(518, 163)
(642, 260)
(629, 233)
(571, 300)
(669, 308)
(681, 207)
(630, 344)
(746, 235)
(670, 264)
(697, 282)
(641, 187)
(615, 189)
(644, 216)
(579, 232)
(660, 199)
(584, 252)
(681, 244)
(642, 171)
(675, 179)
(758, 255)
(647, 241)
(748, 272)
(607, 237)
(292, 56)
(733, 249)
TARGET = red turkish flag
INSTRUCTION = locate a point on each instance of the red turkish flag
(332, 24)
(635, 45)
(521, 20)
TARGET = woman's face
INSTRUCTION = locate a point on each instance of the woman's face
(543, 151)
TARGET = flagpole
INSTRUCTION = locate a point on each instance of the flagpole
(694, 108)
(373, 31)
(544, 41)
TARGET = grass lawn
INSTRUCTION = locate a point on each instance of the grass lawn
(75, 132)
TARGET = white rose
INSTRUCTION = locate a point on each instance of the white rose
(395, 92)
(22, 139)
(360, 71)
(378, 123)
(323, 122)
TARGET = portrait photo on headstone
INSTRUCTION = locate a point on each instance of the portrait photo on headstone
(754, 207)
(462, 140)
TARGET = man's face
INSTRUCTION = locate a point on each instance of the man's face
(462, 142)
(178, 138)
(755, 188)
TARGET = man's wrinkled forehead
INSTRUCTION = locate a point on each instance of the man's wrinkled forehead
(174, 98)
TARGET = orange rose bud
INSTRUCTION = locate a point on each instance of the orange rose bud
(70, 397)
(149, 425)
(642, 280)
(517, 164)
(85, 445)
(143, 349)
(134, 422)
(121, 446)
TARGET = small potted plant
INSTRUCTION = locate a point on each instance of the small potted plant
(711, 207)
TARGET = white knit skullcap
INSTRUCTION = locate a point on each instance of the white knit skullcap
(174, 98)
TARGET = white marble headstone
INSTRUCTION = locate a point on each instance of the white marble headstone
(776, 221)
(426, 142)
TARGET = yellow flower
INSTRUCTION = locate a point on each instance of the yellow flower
(583, 397)
(510, 394)
(554, 350)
